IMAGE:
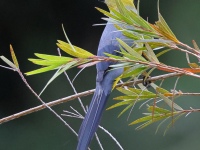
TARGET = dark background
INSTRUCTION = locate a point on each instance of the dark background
(34, 26)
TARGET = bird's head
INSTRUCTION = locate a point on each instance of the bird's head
(112, 3)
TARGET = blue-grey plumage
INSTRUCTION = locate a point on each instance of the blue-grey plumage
(104, 84)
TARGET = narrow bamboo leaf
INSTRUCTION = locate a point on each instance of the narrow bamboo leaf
(193, 65)
(125, 91)
(151, 121)
(128, 33)
(140, 91)
(134, 72)
(163, 52)
(154, 41)
(121, 65)
(14, 58)
(159, 89)
(108, 14)
(121, 16)
(151, 54)
(149, 33)
(122, 9)
(47, 62)
(124, 110)
(113, 56)
(155, 118)
(53, 57)
(165, 35)
(140, 49)
(130, 50)
(164, 25)
(158, 109)
(127, 55)
(116, 81)
(144, 125)
(195, 45)
(135, 97)
(79, 52)
(41, 70)
(8, 62)
(59, 72)
(114, 21)
(119, 104)
(139, 21)
(131, 68)
(143, 119)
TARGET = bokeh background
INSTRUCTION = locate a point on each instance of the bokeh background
(34, 26)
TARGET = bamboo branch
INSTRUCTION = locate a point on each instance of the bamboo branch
(82, 94)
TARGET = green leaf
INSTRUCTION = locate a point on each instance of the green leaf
(152, 119)
(162, 23)
(139, 21)
(153, 41)
(41, 70)
(128, 33)
(125, 91)
(162, 28)
(124, 110)
(59, 72)
(47, 62)
(147, 33)
(127, 55)
(108, 14)
(134, 71)
(119, 104)
(163, 52)
(139, 91)
(113, 56)
(14, 58)
(143, 119)
(121, 16)
(159, 89)
(73, 50)
(131, 51)
(151, 55)
(135, 97)
(53, 57)
(158, 110)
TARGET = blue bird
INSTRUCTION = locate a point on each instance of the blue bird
(104, 80)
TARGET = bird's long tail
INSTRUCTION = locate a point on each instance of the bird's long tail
(92, 118)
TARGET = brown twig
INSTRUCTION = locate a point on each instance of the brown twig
(43, 103)
(82, 94)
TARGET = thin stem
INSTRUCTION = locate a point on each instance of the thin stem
(190, 48)
(83, 94)
(7, 68)
(82, 106)
(44, 104)
(114, 139)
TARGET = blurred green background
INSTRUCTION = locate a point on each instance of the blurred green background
(35, 25)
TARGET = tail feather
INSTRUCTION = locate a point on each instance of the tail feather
(92, 118)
